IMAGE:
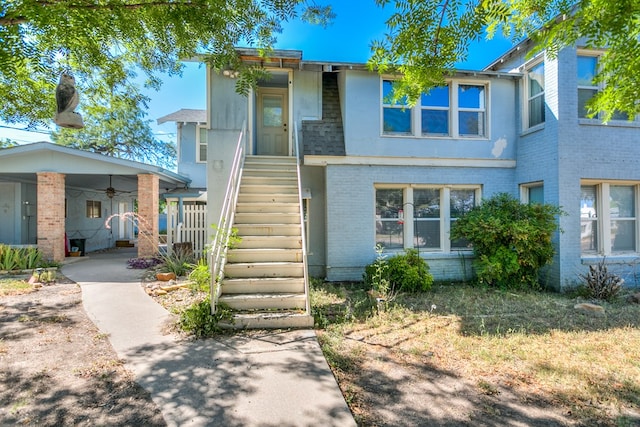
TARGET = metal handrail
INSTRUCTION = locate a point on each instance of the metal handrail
(296, 152)
(219, 245)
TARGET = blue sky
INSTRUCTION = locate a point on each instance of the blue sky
(357, 23)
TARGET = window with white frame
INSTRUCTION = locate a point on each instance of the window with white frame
(457, 110)
(534, 81)
(608, 218)
(471, 110)
(201, 144)
(396, 116)
(416, 216)
(588, 87)
(532, 193)
(434, 115)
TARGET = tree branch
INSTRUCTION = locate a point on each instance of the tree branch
(6, 21)
(436, 39)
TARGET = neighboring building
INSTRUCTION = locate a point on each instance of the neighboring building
(186, 207)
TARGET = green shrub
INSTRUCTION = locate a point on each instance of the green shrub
(402, 272)
(198, 320)
(511, 240)
(200, 276)
(180, 262)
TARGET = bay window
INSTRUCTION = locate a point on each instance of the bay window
(420, 216)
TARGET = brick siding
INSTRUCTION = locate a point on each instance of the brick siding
(51, 221)
(148, 238)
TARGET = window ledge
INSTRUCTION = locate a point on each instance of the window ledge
(610, 259)
(436, 137)
(431, 254)
(532, 129)
(612, 123)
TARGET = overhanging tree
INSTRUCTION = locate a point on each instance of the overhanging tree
(108, 41)
(427, 38)
(116, 125)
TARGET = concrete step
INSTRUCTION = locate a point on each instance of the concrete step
(265, 188)
(283, 171)
(256, 230)
(275, 242)
(267, 198)
(264, 255)
(269, 160)
(268, 301)
(262, 207)
(266, 218)
(269, 320)
(263, 285)
(263, 269)
(273, 181)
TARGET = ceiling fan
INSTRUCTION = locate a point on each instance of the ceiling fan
(110, 191)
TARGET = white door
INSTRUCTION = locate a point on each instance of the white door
(272, 129)
(124, 223)
(8, 213)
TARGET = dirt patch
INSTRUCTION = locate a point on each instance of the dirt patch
(56, 368)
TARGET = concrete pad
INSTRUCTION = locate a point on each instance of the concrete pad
(268, 378)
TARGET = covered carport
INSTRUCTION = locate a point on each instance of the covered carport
(51, 195)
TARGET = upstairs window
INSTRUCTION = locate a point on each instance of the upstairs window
(396, 117)
(471, 110)
(457, 110)
(588, 88)
(535, 95)
(434, 115)
(201, 144)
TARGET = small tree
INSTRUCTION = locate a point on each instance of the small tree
(511, 240)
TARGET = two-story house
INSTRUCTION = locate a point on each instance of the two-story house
(318, 148)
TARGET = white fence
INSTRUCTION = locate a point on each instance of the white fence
(192, 228)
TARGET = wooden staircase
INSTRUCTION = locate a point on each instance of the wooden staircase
(264, 279)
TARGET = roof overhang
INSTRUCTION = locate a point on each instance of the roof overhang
(82, 169)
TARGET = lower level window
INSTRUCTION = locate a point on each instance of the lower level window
(94, 209)
(608, 219)
(421, 216)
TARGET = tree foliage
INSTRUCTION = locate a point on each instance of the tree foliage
(115, 125)
(109, 41)
(511, 240)
(426, 38)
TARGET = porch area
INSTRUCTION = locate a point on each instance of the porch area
(60, 198)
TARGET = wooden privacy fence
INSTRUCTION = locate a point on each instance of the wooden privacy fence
(191, 229)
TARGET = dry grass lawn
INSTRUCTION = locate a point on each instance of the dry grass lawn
(462, 355)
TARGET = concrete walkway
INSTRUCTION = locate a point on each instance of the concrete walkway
(272, 379)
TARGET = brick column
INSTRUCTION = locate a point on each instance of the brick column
(50, 215)
(148, 193)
